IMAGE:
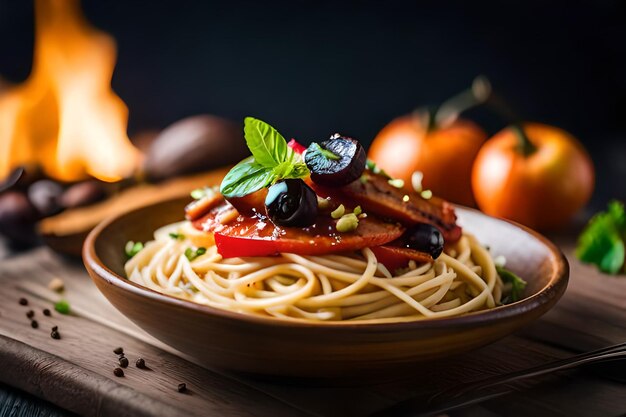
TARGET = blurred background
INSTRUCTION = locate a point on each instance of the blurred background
(312, 68)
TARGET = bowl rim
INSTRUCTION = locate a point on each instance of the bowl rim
(552, 291)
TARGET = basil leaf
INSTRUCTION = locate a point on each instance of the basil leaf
(299, 170)
(268, 147)
(245, 178)
(517, 284)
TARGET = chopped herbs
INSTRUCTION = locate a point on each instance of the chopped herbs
(426, 194)
(396, 182)
(193, 254)
(347, 223)
(371, 165)
(271, 160)
(357, 210)
(602, 241)
(338, 212)
(416, 181)
(62, 307)
(132, 248)
(177, 236)
(517, 285)
(197, 194)
(317, 151)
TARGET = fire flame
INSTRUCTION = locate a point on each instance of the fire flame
(65, 117)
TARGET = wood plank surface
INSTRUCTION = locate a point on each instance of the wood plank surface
(76, 371)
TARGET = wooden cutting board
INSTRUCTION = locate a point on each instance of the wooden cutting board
(76, 372)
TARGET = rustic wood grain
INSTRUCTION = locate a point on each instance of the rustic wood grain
(590, 315)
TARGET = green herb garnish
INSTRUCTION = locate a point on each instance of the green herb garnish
(602, 241)
(371, 165)
(316, 150)
(177, 236)
(517, 284)
(132, 248)
(271, 160)
(193, 254)
(62, 307)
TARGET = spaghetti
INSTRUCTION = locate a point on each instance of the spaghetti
(333, 287)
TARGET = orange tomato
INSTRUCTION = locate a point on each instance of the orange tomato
(444, 154)
(540, 181)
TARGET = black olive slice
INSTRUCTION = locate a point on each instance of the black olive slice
(291, 203)
(335, 162)
(424, 238)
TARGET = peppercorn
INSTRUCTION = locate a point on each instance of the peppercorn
(55, 335)
(34, 324)
(123, 362)
(141, 364)
(118, 372)
(30, 314)
(118, 351)
(182, 387)
(23, 301)
(47, 312)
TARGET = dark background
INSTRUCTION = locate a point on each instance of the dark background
(311, 68)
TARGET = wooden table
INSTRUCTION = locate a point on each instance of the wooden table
(76, 372)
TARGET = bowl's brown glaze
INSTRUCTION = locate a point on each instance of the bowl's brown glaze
(268, 346)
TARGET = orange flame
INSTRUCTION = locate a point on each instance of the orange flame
(65, 117)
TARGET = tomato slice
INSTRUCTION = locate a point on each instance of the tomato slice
(394, 257)
(296, 146)
(258, 236)
(376, 195)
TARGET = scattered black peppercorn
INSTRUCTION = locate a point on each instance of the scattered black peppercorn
(123, 362)
(182, 387)
(118, 351)
(46, 312)
(55, 328)
(34, 324)
(118, 372)
(55, 335)
(23, 301)
(140, 363)
(30, 314)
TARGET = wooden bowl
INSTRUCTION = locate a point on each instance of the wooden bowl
(277, 347)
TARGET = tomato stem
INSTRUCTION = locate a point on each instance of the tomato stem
(449, 110)
(524, 145)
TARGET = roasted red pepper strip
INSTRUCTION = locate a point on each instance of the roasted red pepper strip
(257, 236)
(296, 146)
(394, 257)
(376, 195)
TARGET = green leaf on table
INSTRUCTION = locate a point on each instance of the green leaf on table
(517, 284)
(602, 241)
(62, 307)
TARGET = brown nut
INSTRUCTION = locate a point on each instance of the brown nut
(83, 194)
(45, 195)
(197, 143)
(17, 218)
